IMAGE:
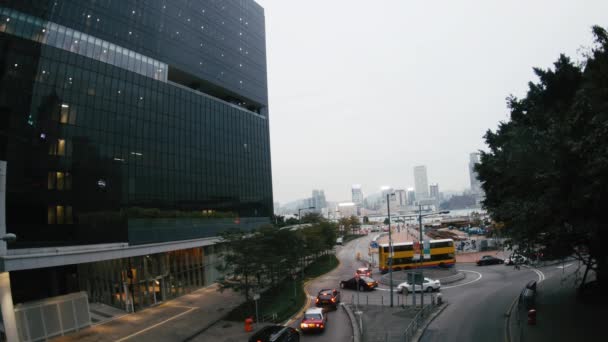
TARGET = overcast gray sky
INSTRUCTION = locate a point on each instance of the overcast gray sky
(362, 91)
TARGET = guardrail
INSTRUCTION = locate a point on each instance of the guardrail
(417, 322)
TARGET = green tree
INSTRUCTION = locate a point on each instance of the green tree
(354, 223)
(240, 262)
(545, 175)
(312, 217)
(291, 221)
(278, 220)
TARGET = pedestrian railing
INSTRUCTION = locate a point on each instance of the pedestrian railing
(417, 322)
(385, 300)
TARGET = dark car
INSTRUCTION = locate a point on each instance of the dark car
(328, 297)
(363, 284)
(489, 260)
(276, 333)
(527, 297)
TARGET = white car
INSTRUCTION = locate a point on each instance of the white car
(429, 285)
(516, 259)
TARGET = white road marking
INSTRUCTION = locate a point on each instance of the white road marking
(541, 275)
(562, 267)
(463, 284)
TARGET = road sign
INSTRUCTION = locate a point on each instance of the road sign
(427, 249)
(256, 296)
(415, 278)
(373, 244)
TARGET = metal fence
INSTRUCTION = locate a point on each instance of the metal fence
(418, 320)
(384, 300)
(38, 321)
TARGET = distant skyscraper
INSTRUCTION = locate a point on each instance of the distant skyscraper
(434, 191)
(391, 197)
(411, 196)
(401, 197)
(475, 183)
(357, 194)
(318, 200)
(421, 183)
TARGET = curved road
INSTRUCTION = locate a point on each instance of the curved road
(477, 304)
(338, 325)
(476, 310)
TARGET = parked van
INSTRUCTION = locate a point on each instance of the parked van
(340, 241)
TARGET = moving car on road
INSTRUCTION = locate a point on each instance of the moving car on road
(360, 283)
(516, 259)
(328, 297)
(489, 260)
(276, 333)
(363, 272)
(428, 285)
(314, 320)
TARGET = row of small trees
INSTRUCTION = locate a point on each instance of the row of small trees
(254, 261)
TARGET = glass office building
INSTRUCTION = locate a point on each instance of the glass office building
(134, 121)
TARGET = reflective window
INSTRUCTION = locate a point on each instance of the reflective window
(65, 38)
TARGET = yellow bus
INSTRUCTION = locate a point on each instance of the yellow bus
(442, 255)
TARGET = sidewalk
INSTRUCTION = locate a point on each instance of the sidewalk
(190, 317)
(561, 316)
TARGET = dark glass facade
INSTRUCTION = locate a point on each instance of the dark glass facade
(122, 116)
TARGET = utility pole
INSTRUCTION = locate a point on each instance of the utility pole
(421, 257)
(390, 246)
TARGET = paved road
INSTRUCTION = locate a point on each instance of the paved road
(478, 304)
(338, 325)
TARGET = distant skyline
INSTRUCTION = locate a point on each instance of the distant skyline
(361, 92)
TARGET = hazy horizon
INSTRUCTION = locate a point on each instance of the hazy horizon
(360, 93)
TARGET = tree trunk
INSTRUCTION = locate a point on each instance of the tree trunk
(246, 287)
(602, 271)
(588, 265)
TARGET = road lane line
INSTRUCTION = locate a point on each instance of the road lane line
(155, 325)
(562, 267)
(463, 284)
(541, 275)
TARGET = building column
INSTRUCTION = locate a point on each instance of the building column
(6, 296)
(8, 311)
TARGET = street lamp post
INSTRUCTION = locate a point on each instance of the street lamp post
(420, 216)
(421, 255)
(390, 246)
(300, 216)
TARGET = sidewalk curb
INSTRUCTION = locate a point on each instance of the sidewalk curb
(202, 330)
(508, 320)
(353, 323)
(421, 331)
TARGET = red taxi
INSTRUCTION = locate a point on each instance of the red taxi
(314, 320)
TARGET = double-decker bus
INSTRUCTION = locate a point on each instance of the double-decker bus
(442, 255)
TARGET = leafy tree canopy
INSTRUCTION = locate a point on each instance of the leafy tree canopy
(545, 175)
